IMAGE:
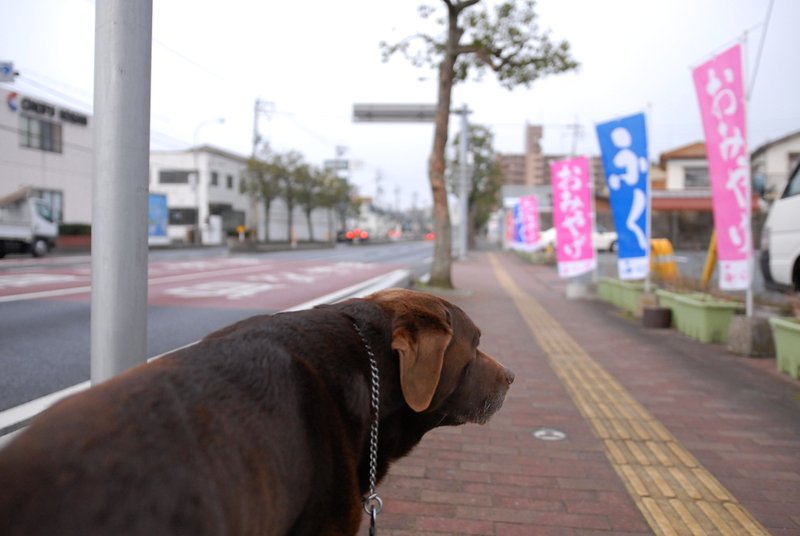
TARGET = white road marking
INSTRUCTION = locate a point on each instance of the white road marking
(13, 417)
(151, 282)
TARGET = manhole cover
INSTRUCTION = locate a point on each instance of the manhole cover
(549, 434)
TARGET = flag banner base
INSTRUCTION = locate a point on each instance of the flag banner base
(633, 267)
(734, 275)
(576, 268)
(530, 248)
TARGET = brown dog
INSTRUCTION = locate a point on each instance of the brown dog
(261, 428)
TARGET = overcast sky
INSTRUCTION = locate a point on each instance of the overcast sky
(312, 60)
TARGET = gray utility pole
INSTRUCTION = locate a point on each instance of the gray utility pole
(261, 107)
(464, 184)
(123, 31)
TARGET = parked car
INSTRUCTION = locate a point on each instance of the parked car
(602, 238)
(780, 238)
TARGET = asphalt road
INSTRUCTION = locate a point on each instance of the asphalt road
(45, 303)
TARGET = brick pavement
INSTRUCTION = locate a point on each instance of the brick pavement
(734, 418)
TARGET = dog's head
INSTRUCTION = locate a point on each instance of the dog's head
(442, 370)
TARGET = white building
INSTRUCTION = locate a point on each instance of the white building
(48, 147)
(217, 200)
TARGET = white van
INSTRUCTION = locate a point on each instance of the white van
(780, 239)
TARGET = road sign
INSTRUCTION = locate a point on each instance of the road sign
(394, 113)
(7, 73)
(337, 164)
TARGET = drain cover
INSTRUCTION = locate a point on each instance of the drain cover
(549, 434)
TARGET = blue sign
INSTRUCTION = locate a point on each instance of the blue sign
(519, 224)
(623, 144)
(157, 216)
(7, 73)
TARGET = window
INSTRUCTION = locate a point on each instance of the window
(230, 182)
(45, 212)
(182, 216)
(696, 177)
(794, 159)
(793, 186)
(38, 134)
(214, 178)
(174, 176)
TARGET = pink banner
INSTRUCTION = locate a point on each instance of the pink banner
(529, 212)
(720, 92)
(572, 216)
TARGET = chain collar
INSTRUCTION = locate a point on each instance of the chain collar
(371, 503)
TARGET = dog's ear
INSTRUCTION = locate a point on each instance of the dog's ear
(421, 359)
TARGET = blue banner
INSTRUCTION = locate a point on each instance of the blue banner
(623, 144)
(157, 218)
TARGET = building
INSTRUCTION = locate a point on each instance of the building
(49, 148)
(533, 167)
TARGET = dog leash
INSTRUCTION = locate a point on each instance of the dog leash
(371, 503)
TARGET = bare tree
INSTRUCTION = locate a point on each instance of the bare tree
(311, 184)
(288, 167)
(505, 40)
(261, 181)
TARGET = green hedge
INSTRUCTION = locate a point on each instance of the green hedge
(74, 229)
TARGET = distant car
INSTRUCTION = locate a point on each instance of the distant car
(353, 235)
(602, 238)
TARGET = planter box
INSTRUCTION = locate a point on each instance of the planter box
(622, 294)
(786, 333)
(74, 242)
(698, 315)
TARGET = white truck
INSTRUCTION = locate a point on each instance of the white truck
(26, 226)
(780, 238)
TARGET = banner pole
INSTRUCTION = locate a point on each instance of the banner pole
(750, 264)
(649, 232)
(592, 195)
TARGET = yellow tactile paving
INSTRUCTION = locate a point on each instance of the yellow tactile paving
(674, 493)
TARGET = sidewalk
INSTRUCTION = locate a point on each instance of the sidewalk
(661, 434)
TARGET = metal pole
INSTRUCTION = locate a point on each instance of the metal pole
(649, 219)
(748, 296)
(464, 185)
(123, 31)
(200, 186)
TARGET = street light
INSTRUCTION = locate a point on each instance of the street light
(196, 184)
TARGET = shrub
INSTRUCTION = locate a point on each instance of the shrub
(74, 229)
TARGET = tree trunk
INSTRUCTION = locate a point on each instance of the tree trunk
(290, 219)
(310, 226)
(267, 203)
(472, 231)
(442, 252)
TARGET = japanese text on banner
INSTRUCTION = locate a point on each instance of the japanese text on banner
(623, 144)
(572, 216)
(720, 93)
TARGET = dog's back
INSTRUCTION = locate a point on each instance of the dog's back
(225, 437)
(262, 428)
